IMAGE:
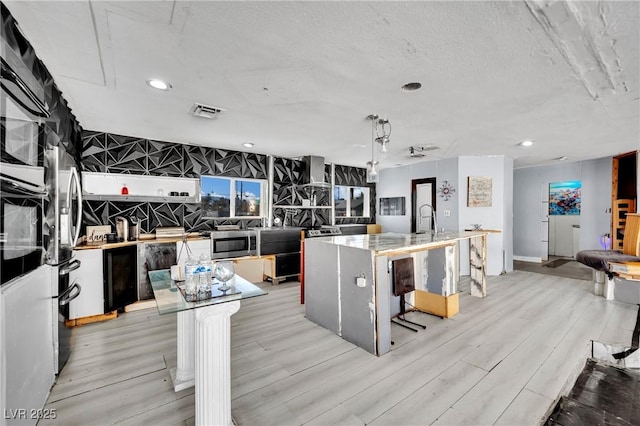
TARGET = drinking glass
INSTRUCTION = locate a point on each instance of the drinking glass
(223, 272)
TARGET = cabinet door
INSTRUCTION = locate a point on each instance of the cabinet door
(89, 277)
(153, 257)
(287, 264)
(121, 283)
(197, 248)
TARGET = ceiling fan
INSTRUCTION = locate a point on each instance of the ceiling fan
(418, 151)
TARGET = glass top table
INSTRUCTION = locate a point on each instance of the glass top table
(169, 298)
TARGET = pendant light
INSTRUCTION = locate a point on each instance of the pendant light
(383, 131)
(372, 172)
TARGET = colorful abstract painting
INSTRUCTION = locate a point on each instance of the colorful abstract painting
(565, 197)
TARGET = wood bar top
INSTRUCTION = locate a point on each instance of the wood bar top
(107, 246)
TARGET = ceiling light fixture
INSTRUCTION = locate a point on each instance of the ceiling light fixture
(372, 173)
(158, 84)
(411, 87)
(563, 158)
(383, 125)
(526, 143)
(248, 145)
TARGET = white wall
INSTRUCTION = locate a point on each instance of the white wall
(561, 232)
(498, 216)
(529, 185)
(396, 182)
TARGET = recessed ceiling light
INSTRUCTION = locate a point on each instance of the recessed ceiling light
(411, 87)
(526, 143)
(248, 145)
(158, 84)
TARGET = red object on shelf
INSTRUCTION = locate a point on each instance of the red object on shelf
(125, 190)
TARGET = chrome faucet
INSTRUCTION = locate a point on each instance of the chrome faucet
(433, 214)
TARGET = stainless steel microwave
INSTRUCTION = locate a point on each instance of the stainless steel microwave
(22, 128)
(230, 244)
(21, 225)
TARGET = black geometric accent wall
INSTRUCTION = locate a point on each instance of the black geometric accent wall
(164, 158)
(125, 155)
(355, 176)
(110, 153)
(198, 161)
(287, 174)
(94, 152)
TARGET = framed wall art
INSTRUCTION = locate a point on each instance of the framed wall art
(565, 198)
(479, 191)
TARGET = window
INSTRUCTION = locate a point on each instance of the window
(351, 201)
(230, 197)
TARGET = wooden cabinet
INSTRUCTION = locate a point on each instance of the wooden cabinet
(278, 267)
(90, 277)
(619, 218)
(624, 194)
(280, 249)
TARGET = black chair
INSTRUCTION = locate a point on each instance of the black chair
(403, 283)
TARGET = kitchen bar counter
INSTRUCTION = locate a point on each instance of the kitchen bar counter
(392, 243)
(350, 280)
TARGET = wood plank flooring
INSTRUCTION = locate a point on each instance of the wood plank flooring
(502, 360)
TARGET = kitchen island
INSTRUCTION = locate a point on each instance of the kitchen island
(349, 284)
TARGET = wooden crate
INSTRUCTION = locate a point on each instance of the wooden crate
(442, 306)
(91, 319)
(250, 268)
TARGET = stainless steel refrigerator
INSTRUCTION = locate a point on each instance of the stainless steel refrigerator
(63, 223)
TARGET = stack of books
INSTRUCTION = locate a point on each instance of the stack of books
(629, 270)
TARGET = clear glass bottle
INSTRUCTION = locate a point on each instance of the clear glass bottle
(190, 279)
(204, 268)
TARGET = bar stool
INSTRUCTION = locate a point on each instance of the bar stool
(403, 283)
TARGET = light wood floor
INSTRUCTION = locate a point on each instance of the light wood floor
(502, 360)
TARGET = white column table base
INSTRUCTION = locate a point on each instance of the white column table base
(213, 363)
(183, 376)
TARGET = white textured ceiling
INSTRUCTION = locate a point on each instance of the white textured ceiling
(299, 78)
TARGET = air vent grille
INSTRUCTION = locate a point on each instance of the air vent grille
(205, 111)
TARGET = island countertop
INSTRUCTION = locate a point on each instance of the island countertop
(393, 242)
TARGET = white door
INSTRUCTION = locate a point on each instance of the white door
(424, 215)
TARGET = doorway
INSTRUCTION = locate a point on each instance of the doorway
(423, 191)
(564, 219)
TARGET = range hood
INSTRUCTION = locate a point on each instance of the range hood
(314, 171)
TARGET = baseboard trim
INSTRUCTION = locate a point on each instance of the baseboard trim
(528, 259)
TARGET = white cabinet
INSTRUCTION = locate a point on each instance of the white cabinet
(26, 338)
(108, 186)
(197, 248)
(90, 278)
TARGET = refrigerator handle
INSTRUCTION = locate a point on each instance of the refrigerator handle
(68, 295)
(74, 233)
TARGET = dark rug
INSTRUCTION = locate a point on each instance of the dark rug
(557, 262)
(568, 269)
(602, 395)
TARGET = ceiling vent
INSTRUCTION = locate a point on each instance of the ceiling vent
(205, 111)
(418, 151)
